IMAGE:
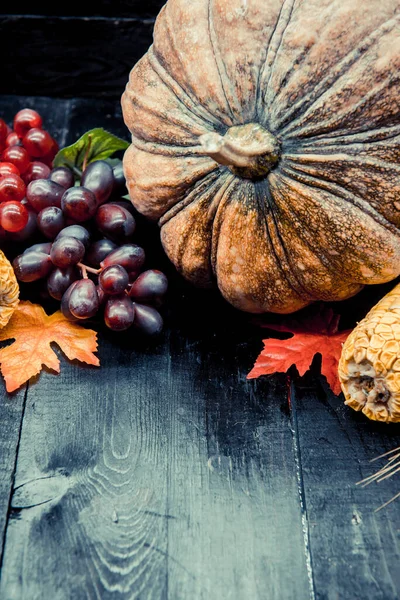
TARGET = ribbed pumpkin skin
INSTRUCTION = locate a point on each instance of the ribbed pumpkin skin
(323, 77)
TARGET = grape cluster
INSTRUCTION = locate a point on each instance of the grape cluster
(26, 153)
(87, 259)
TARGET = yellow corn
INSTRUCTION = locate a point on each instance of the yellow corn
(9, 290)
(369, 366)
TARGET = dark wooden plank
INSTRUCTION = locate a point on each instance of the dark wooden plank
(102, 8)
(70, 56)
(355, 552)
(165, 474)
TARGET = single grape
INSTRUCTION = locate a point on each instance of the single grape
(31, 266)
(98, 251)
(13, 216)
(119, 180)
(98, 177)
(129, 256)
(51, 221)
(36, 170)
(66, 251)
(84, 301)
(13, 139)
(101, 295)
(26, 119)
(64, 307)
(12, 187)
(115, 222)
(42, 193)
(147, 319)
(18, 156)
(150, 287)
(76, 231)
(126, 205)
(7, 168)
(63, 176)
(44, 247)
(59, 281)
(49, 157)
(113, 279)
(29, 230)
(37, 142)
(79, 203)
(119, 313)
(3, 132)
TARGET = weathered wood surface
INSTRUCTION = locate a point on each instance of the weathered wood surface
(166, 474)
(102, 8)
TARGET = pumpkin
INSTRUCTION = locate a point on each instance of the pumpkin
(266, 143)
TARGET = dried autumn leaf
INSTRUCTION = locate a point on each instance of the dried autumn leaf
(33, 332)
(315, 335)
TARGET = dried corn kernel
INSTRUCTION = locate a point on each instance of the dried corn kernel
(9, 290)
(369, 366)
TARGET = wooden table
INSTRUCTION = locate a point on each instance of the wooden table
(166, 474)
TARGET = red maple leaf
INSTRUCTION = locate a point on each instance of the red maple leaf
(314, 335)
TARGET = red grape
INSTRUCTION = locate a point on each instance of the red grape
(119, 313)
(26, 119)
(29, 230)
(76, 231)
(13, 139)
(51, 221)
(59, 281)
(12, 188)
(79, 203)
(63, 176)
(31, 266)
(149, 287)
(13, 216)
(66, 251)
(7, 168)
(18, 156)
(37, 142)
(129, 256)
(49, 157)
(65, 303)
(42, 193)
(147, 319)
(83, 301)
(113, 279)
(98, 177)
(3, 132)
(36, 170)
(115, 222)
(98, 251)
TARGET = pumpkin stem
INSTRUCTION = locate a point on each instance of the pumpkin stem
(249, 151)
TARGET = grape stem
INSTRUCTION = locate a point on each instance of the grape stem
(85, 269)
(84, 165)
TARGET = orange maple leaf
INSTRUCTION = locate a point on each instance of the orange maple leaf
(33, 332)
(315, 335)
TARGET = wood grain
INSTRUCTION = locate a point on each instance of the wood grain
(70, 56)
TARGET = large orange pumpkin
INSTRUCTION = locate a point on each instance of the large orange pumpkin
(266, 142)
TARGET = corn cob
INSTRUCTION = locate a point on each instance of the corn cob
(369, 366)
(9, 290)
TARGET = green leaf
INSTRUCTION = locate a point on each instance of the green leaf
(96, 144)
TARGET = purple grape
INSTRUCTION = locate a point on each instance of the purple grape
(98, 251)
(60, 280)
(51, 221)
(42, 193)
(31, 266)
(64, 307)
(63, 176)
(41, 247)
(119, 179)
(115, 222)
(129, 256)
(76, 231)
(78, 204)
(147, 319)
(83, 301)
(98, 177)
(66, 251)
(113, 280)
(119, 313)
(149, 287)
